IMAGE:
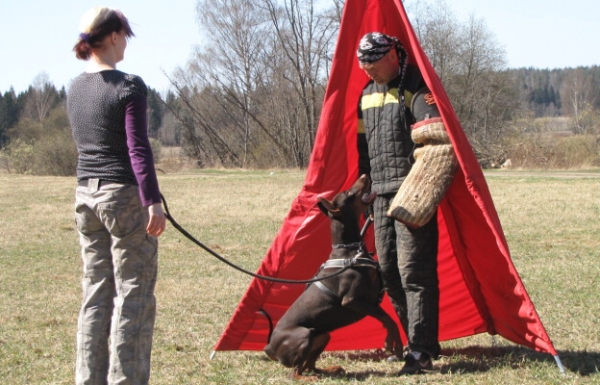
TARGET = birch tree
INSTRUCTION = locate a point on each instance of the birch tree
(472, 67)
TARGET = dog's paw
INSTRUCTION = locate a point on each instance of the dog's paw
(332, 370)
(394, 347)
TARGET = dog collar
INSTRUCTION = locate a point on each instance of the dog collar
(354, 262)
(351, 246)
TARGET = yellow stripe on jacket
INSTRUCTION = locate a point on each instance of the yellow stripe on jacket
(379, 99)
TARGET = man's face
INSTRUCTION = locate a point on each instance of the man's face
(383, 70)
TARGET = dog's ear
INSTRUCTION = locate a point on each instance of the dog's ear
(325, 206)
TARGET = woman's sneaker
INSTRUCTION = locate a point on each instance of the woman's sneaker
(416, 363)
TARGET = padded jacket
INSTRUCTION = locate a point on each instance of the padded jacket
(384, 144)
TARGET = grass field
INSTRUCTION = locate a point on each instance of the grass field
(551, 221)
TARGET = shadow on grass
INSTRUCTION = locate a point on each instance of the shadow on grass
(363, 356)
(477, 359)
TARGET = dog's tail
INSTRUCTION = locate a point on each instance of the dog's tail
(268, 317)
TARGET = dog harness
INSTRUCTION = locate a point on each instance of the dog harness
(339, 263)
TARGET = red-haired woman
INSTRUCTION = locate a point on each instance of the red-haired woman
(117, 207)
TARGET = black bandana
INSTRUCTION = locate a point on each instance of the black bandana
(373, 46)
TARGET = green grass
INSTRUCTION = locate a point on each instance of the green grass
(550, 220)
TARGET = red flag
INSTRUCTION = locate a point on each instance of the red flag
(480, 289)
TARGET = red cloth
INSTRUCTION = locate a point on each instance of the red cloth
(480, 289)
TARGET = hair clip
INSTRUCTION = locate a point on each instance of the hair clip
(85, 37)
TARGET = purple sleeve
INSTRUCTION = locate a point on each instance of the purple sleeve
(140, 152)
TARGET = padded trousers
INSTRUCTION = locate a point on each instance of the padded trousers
(408, 259)
(116, 320)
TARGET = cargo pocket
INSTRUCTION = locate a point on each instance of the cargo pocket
(122, 216)
(86, 220)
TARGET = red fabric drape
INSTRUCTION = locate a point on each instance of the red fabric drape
(480, 289)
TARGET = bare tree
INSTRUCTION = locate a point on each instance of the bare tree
(41, 98)
(338, 9)
(239, 29)
(472, 67)
(440, 35)
(578, 96)
(253, 91)
(203, 128)
(306, 38)
(39, 116)
(220, 111)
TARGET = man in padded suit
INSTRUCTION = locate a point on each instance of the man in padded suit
(408, 256)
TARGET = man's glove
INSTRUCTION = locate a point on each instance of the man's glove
(435, 164)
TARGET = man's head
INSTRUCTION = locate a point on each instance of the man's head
(380, 56)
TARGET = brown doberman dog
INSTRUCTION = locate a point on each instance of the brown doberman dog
(302, 333)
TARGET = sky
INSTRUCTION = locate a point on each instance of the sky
(37, 36)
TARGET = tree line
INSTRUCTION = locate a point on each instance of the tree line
(252, 96)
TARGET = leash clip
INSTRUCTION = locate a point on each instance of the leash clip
(353, 261)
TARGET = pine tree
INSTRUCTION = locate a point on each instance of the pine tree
(9, 114)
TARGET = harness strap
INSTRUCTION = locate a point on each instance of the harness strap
(354, 262)
(350, 246)
(340, 263)
(326, 290)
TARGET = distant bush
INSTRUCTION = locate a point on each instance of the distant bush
(54, 155)
(554, 151)
(17, 157)
(156, 146)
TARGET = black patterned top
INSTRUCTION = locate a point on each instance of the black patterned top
(107, 111)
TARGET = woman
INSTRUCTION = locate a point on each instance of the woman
(117, 207)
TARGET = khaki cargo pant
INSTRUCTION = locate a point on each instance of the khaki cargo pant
(119, 276)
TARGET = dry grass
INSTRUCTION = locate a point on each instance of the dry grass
(550, 219)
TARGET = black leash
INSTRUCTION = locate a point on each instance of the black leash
(220, 258)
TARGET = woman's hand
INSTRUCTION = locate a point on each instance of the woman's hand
(157, 222)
